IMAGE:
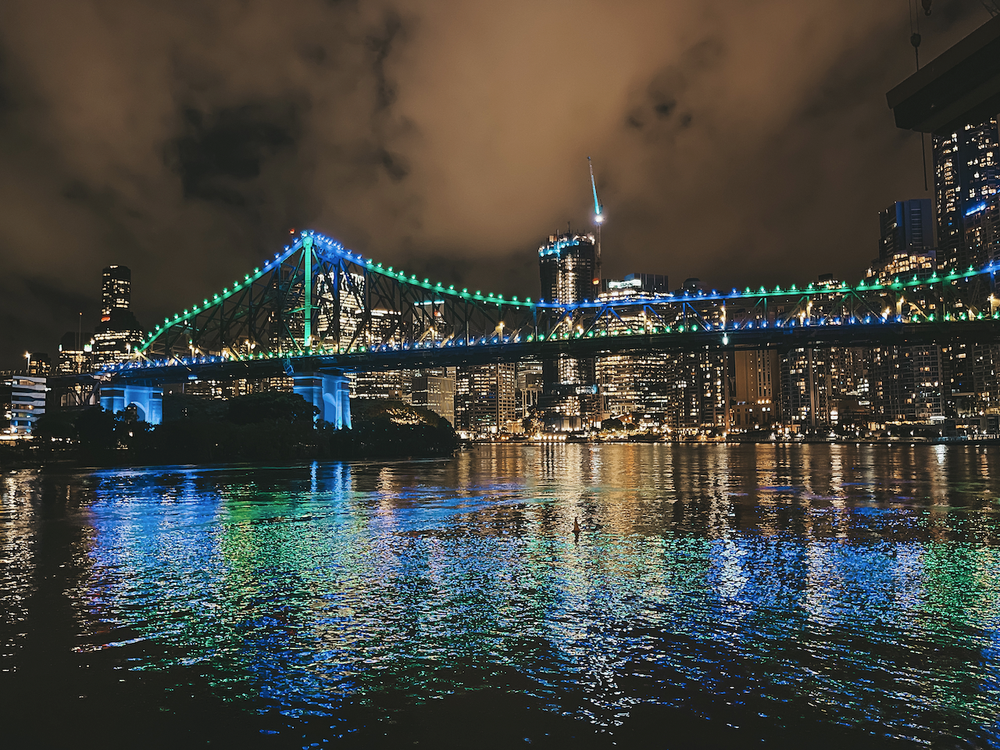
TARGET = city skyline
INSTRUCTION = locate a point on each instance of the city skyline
(233, 161)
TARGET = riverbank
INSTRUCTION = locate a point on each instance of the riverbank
(657, 440)
(372, 444)
(251, 429)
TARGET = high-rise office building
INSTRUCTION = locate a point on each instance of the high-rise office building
(116, 291)
(118, 333)
(755, 390)
(484, 399)
(906, 241)
(566, 265)
(391, 385)
(906, 227)
(434, 389)
(966, 175)
(635, 386)
(74, 353)
(807, 388)
(982, 231)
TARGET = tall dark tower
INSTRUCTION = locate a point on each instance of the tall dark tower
(966, 175)
(906, 227)
(116, 291)
(118, 333)
(566, 266)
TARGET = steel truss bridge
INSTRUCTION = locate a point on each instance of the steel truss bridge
(316, 307)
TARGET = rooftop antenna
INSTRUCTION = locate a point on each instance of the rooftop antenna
(598, 219)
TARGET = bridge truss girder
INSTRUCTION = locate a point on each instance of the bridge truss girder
(318, 304)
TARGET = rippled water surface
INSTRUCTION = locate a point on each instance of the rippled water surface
(716, 596)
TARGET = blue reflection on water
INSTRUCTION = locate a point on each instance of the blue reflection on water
(730, 582)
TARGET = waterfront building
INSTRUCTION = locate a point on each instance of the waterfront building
(485, 401)
(755, 390)
(22, 400)
(907, 383)
(850, 387)
(807, 388)
(985, 381)
(434, 389)
(971, 379)
(530, 385)
(634, 386)
(698, 397)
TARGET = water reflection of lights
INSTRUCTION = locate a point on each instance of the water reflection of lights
(812, 577)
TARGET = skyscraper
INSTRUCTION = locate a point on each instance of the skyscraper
(906, 227)
(566, 265)
(966, 183)
(755, 402)
(635, 386)
(119, 332)
(116, 291)
(484, 399)
(982, 231)
(966, 175)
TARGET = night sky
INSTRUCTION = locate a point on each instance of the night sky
(740, 142)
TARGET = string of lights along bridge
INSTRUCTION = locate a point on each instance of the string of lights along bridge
(316, 300)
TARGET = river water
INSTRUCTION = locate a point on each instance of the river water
(717, 595)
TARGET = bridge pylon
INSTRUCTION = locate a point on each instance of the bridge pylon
(329, 392)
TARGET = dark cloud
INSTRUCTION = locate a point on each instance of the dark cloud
(220, 151)
(381, 45)
(738, 142)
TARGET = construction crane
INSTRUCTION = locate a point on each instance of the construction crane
(598, 219)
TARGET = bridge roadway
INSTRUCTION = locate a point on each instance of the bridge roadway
(388, 357)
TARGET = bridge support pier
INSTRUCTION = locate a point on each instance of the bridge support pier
(329, 393)
(148, 400)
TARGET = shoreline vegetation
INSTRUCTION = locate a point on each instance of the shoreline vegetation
(271, 426)
(277, 426)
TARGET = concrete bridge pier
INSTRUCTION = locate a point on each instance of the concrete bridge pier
(147, 400)
(328, 393)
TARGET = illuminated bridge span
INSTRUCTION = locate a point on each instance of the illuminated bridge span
(317, 310)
